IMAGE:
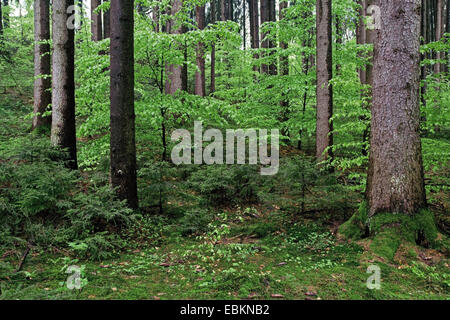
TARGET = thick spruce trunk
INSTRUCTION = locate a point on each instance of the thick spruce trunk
(395, 179)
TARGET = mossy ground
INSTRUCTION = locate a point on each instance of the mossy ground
(295, 258)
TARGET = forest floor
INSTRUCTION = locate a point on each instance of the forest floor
(247, 252)
(305, 262)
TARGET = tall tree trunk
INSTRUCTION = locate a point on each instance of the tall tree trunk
(324, 90)
(96, 21)
(106, 23)
(254, 28)
(174, 72)
(213, 50)
(439, 31)
(200, 52)
(272, 44)
(423, 32)
(264, 13)
(42, 69)
(223, 16)
(395, 178)
(123, 147)
(284, 68)
(63, 89)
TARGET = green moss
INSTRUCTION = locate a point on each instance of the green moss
(356, 227)
(389, 230)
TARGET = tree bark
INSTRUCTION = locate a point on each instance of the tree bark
(264, 8)
(200, 52)
(395, 178)
(439, 31)
(174, 72)
(254, 28)
(213, 51)
(122, 144)
(106, 23)
(63, 134)
(284, 68)
(96, 21)
(324, 90)
(42, 69)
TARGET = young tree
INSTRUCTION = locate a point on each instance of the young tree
(63, 134)
(324, 90)
(96, 21)
(42, 82)
(395, 179)
(122, 116)
(200, 52)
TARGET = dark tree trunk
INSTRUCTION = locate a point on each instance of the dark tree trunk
(106, 23)
(96, 21)
(213, 50)
(42, 69)
(200, 52)
(395, 178)
(264, 13)
(284, 68)
(174, 72)
(63, 90)
(254, 28)
(324, 90)
(123, 147)
(272, 44)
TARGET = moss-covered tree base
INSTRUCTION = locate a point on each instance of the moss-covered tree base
(388, 230)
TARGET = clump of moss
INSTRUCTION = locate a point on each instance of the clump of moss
(389, 230)
(356, 227)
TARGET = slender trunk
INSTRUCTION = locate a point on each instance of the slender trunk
(264, 8)
(395, 179)
(96, 21)
(213, 50)
(42, 69)
(63, 133)
(284, 66)
(106, 24)
(200, 52)
(324, 90)
(254, 28)
(122, 144)
(272, 44)
(439, 31)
